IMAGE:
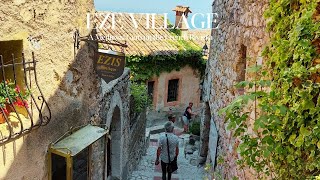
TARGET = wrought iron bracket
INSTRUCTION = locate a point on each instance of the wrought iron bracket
(77, 39)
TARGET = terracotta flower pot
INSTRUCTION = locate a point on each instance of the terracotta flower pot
(22, 110)
(7, 112)
(2, 118)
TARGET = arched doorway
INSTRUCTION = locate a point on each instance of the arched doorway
(114, 147)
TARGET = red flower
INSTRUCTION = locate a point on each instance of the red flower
(17, 89)
(21, 103)
(26, 104)
(6, 111)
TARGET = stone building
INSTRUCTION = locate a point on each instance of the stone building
(169, 89)
(74, 94)
(235, 45)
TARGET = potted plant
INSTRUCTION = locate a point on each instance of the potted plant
(10, 91)
(3, 113)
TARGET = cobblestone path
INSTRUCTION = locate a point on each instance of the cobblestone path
(147, 170)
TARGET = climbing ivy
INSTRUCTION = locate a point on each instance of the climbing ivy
(283, 141)
(173, 30)
(145, 67)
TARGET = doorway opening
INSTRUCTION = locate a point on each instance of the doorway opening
(241, 67)
(114, 147)
(150, 89)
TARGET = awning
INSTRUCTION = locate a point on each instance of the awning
(79, 140)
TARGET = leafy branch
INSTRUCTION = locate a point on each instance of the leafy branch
(284, 141)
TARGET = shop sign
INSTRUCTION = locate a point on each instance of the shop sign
(109, 64)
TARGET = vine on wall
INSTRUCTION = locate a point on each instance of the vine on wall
(145, 67)
(284, 142)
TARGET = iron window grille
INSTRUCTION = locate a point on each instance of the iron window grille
(37, 113)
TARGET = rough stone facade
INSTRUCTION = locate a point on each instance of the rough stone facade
(127, 142)
(138, 141)
(115, 95)
(75, 94)
(235, 45)
(67, 81)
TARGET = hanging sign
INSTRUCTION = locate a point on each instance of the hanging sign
(109, 64)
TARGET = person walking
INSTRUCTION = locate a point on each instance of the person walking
(168, 143)
(187, 117)
(171, 116)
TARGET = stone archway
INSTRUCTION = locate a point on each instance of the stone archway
(114, 143)
(114, 146)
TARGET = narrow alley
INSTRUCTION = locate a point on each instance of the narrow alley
(187, 162)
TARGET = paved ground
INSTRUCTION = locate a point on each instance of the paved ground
(156, 118)
(148, 171)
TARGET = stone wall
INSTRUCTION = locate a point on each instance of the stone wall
(236, 44)
(205, 132)
(138, 144)
(66, 78)
(115, 95)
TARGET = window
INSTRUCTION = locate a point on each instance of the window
(201, 91)
(173, 87)
(58, 167)
(7, 48)
(81, 165)
(242, 63)
(11, 52)
(241, 66)
(23, 74)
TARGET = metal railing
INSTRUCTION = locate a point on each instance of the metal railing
(36, 110)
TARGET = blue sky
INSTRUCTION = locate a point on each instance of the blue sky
(153, 6)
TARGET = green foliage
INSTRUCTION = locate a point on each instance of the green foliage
(210, 174)
(235, 178)
(11, 93)
(285, 140)
(182, 44)
(220, 160)
(140, 95)
(195, 128)
(144, 67)
(175, 31)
